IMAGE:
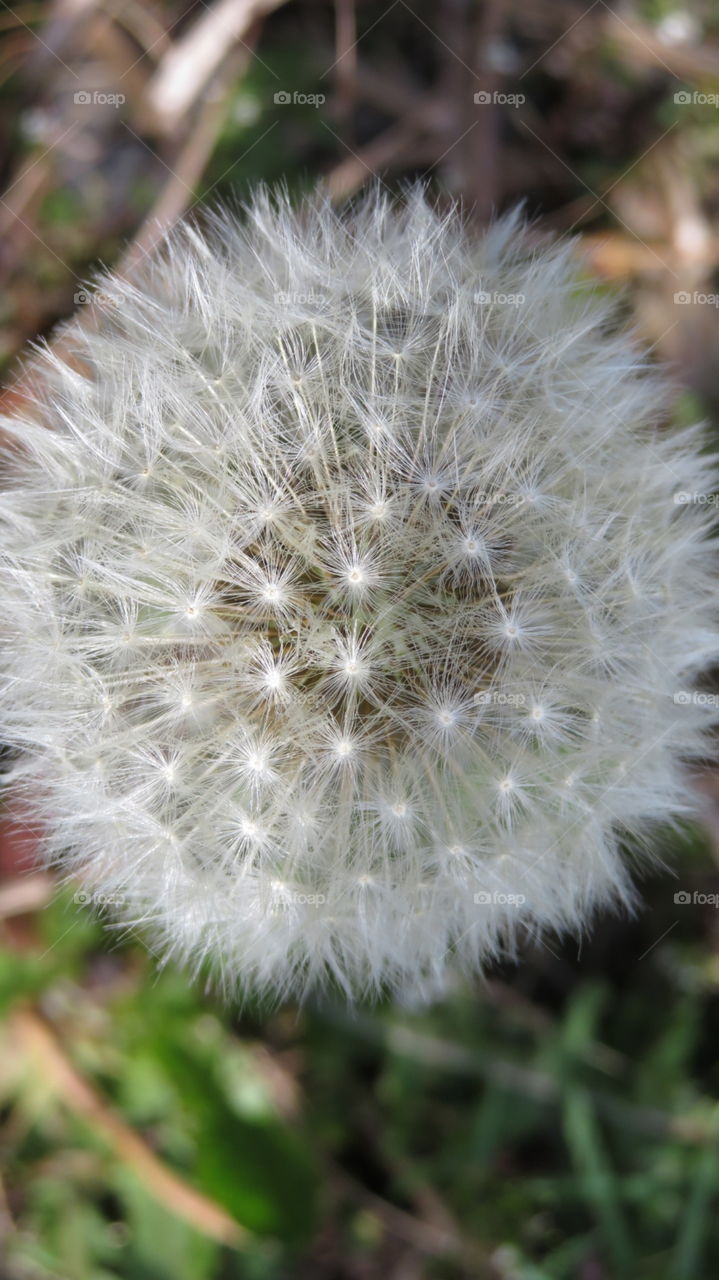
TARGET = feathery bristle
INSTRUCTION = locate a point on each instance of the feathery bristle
(347, 600)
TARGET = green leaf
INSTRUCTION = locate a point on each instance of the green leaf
(598, 1181)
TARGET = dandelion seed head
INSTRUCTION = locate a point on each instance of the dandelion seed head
(263, 557)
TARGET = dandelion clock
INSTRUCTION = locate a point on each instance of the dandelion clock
(351, 585)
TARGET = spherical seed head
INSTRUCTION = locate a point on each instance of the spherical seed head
(346, 599)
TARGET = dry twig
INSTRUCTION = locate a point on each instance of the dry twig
(191, 63)
(45, 1052)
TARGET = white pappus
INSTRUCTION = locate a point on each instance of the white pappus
(346, 599)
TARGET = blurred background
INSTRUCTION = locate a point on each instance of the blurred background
(559, 1119)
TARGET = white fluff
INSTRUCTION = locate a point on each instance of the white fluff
(346, 601)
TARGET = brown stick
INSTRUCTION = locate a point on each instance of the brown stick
(178, 192)
(345, 68)
(190, 64)
(38, 1040)
(25, 893)
(690, 62)
(378, 156)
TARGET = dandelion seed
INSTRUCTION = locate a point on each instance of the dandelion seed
(256, 570)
